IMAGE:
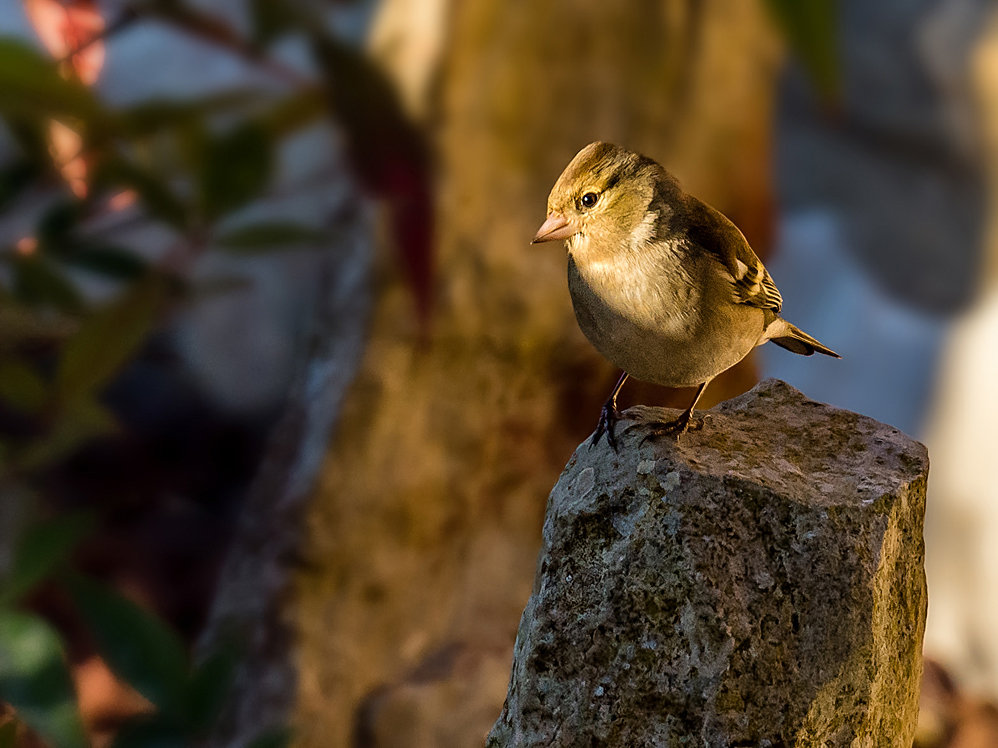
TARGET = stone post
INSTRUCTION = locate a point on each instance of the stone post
(760, 583)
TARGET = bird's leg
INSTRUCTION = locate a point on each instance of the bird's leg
(608, 417)
(680, 425)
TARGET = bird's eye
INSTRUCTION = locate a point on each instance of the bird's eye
(589, 199)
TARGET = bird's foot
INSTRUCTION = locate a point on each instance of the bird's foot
(685, 422)
(608, 418)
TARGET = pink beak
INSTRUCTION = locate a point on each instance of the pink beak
(554, 228)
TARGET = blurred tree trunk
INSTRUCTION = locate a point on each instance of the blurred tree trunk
(423, 534)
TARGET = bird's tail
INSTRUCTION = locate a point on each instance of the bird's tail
(796, 340)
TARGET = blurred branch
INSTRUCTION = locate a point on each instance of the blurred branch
(256, 579)
(198, 23)
(126, 19)
(216, 31)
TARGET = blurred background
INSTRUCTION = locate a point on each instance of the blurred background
(284, 387)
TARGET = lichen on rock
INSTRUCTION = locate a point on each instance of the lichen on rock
(758, 583)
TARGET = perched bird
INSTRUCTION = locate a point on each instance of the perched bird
(663, 285)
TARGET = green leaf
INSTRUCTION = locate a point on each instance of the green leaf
(15, 179)
(151, 732)
(32, 137)
(235, 168)
(158, 114)
(19, 324)
(30, 86)
(8, 734)
(40, 550)
(112, 262)
(60, 219)
(137, 646)
(811, 30)
(266, 237)
(210, 687)
(108, 339)
(78, 423)
(275, 737)
(156, 195)
(38, 282)
(57, 239)
(271, 20)
(34, 679)
(295, 112)
(21, 387)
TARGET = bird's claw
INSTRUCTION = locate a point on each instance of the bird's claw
(685, 422)
(608, 418)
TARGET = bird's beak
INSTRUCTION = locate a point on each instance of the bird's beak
(554, 228)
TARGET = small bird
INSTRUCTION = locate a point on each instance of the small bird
(663, 285)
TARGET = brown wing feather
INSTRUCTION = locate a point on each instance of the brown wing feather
(714, 233)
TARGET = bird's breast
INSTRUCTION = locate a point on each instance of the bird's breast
(652, 322)
(635, 289)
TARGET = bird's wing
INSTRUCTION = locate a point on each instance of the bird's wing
(720, 238)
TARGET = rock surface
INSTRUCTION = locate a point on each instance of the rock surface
(760, 583)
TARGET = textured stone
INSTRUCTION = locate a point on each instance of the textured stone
(760, 583)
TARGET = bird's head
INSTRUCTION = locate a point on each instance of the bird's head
(601, 198)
